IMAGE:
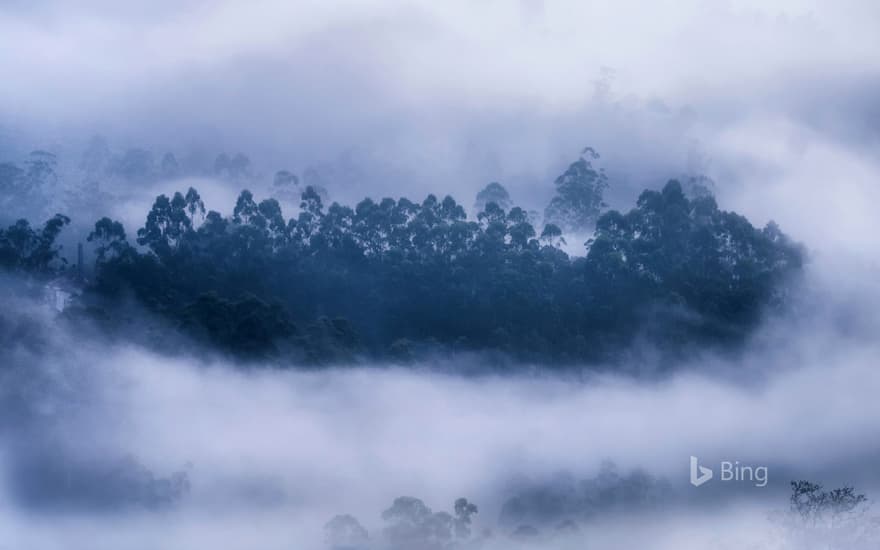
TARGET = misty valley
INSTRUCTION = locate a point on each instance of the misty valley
(324, 327)
(439, 276)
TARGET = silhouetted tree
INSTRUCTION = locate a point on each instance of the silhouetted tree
(109, 238)
(194, 205)
(829, 520)
(464, 511)
(578, 200)
(24, 249)
(167, 225)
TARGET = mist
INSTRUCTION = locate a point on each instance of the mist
(267, 456)
(419, 98)
(122, 425)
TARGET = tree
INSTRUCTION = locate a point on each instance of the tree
(311, 201)
(687, 255)
(311, 213)
(835, 519)
(284, 180)
(673, 271)
(167, 225)
(344, 532)
(240, 166)
(519, 229)
(23, 248)
(275, 226)
(245, 208)
(109, 236)
(813, 505)
(194, 205)
(411, 524)
(248, 325)
(285, 186)
(222, 165)
(41, 166)
(47, 251)
(464, 511)
(552, 236)
(236, 168)
(407, 520)
(494, 192)
(578, 200)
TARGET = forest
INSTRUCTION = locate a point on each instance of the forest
(398, 279)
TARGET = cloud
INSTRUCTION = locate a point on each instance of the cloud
(435, 97)
(491, 52)
(290, 448)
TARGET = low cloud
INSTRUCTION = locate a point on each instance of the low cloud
(148, 440)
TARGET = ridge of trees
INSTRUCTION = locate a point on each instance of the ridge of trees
(571, 511)
(396, 278)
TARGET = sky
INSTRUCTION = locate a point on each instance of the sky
(424, 96)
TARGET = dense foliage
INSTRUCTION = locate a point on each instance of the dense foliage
(24, 248)
(396, 278)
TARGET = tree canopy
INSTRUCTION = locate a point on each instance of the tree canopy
(578, 200)
(395, 277)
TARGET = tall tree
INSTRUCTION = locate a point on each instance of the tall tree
(494, 192)
(579, 195)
